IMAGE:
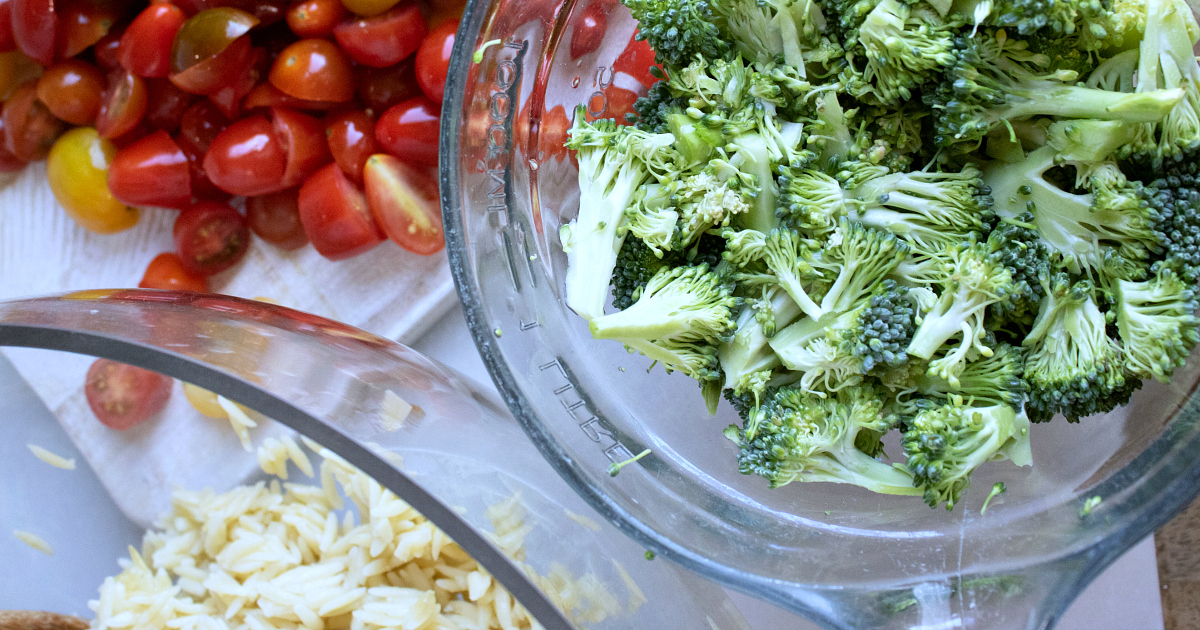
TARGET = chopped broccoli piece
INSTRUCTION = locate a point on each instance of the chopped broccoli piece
(1157, 323)
(679, 31)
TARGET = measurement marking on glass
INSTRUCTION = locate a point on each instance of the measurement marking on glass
(528, 326)
(591, 425)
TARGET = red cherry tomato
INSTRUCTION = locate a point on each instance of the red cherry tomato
(229, 97)
(385, 39)
(247, 158)
(30, 128)
(123, 106)
(351, 136)
(106, 51)
(404, 201)
(315, 18)
(210, 238)
(275, 218)
(82, 23)
(146, 45)
(409, 131)
(166, 272)
(587, 32)
(9, 163)
(201, 123)
(123, 396)
(303, 140)
(152, 171)
(380, 88)
(433, 60)
(210, 49)
(7, 43)
(267, 95)
(166, 104)
(636, 60)
(335, 215)
(202, 187)
(71, 91)
(314, 70)
(35, 25)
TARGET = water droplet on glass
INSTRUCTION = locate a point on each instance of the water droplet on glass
(575, 82)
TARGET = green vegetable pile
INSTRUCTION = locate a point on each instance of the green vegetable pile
(947, 218)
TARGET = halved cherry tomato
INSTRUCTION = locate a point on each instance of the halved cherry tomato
(210, 49)
(152, 171)
(335, 215)
(210, 238)
(201, 124)
(71, 91)
(229, 96)
(409, 131)
(146, 45)
(587, 31)
(30, 128)
(123, 396)
(15, 69)
(123, 106)
(385, 39)
(106, 51)
(247, 158)
(82, 23)
(7, 43)
(404, 201)
(267, 95)
(275, 218)
(314, 70)
(315, 18)
(166, 272)
(77, 170)
(9, 163)
(303, 140)
(202, 187)
(35, 25)
(166, 104)
(351, 136)
(380, 88)
(433, 60)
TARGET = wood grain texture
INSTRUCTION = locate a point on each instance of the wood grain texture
(39, 620)
(387, 291)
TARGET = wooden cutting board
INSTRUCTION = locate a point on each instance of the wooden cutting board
(387, 291)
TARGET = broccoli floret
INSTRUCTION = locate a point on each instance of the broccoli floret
(1157, 323)
(810, 200)
(679, 31)
(945, 443)
(1167, 62)
(972, 280)
(1174, 202)
(1058, 17)
(857, 258)
(636, 264)
(904, 44)
(1072, 365)
(771, 30)
(996, 79)
(994, 380)
(614, 164)
(795, 436)
(746, 359)
(1015, 243)
(1106, 236)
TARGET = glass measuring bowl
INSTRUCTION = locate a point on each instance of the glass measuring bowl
(459, 451)
(840, 555)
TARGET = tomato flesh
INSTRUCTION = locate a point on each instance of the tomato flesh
(267, 95)
(335, 216)
(433, 60)
(301, 137)
(210, 237)
(404, 201)
(409, 131)
(166, 271)
(385, 39)
(71, 91)
(123, 105)
(166, 104)
(247, 158)
(313, 70)
(30, 128)
(153, 171)
(123, 396)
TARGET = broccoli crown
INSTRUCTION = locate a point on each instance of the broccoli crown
(1174, 204)
(1157, 324)
(884, 327)
(796, 436)
(1072, 366)
(994, 380)
(678, 31)
(905, 44)
(1166, 62)
(1060, 17)
(1015, 243)
(945, 443)
(637, 263)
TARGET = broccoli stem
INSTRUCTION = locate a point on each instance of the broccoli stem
(1069, 101)
(853, 466)
(948, 318)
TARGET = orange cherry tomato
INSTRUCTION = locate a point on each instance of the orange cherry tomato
(71, 91)
(314, 70)
(166, 272)
(315, 18)
(123, 106)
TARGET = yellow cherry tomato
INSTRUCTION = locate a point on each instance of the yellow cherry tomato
(78, 173)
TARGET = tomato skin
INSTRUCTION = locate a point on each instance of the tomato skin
(123, 396)
(7, 43)
(351, 138)
(587, 32)
(335, 215)
(275, 218)
(405, 202)
(35, 25)
(303, 140)
(166, 104)
(30, 128)
(315, 18)
(229, 97)
(409, 131)
(368, 8)
(166, 272)
(9, 163)
(82, 23)
(247, 158)
(106, 51)
(314, 70)
(71, 91)
(636, 60)
(123, 105)
(202, 188)
(433, 60)
(152, 171)
(385, 39)
(145, 48)
(381, 88)
(267, 95)
(206, 34)
(210, 237)
(201, 123)
(77, 170)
